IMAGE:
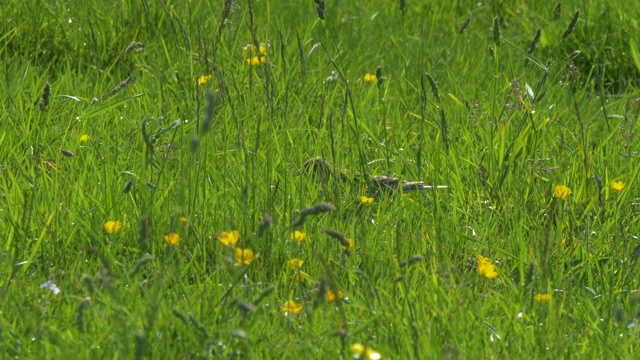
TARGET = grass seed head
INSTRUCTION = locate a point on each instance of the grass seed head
(264, 224)
(557, 12)
(412, 260)
(43, 102)
(464, 25)
(320, 9)
(496, 30)
(434, 87)
(127, 186)
(572, 24)
(122, 84)
(88, 280)
(195, 142)
(67, 153)
(134, 46)
(143, 233)
(208, 113)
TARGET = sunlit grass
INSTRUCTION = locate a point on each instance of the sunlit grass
(247, 180)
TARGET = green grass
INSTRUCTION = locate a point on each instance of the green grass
(456, 109)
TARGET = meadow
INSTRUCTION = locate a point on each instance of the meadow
(154, 201)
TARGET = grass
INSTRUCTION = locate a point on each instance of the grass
(166, 155)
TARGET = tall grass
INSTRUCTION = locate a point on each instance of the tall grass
(194, 119)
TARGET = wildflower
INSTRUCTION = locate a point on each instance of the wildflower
(51, 286)
(112, 227)
(84, 138)
(250, 50)
(298, 236)
(561, 191)
(295, 263)
(229, 238)
(172, 239)
(618, 186)
(290, 306)
(257, 60)
(184, 221)
(244, 256)
(486, 267)
(366, 200)
(364, 352)
(334, 295)
(203, 79)
(370, 78)
(542, 298)
(255, 57)
(344, 247)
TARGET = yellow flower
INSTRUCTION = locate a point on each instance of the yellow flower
(366, 200)
(344, 247)
(184, 221)
(298, 236)
(364, 352)
(618, 186)
(84, 138)
(229, 238)
(112, 227)
(334, 295)
(561, 191)
(203, 79)
(244, 256)
(295, 263)
(486, 267)
(250, 50)
(253, 56)
(172, 239)
(542, 298)
(290, 306)
(257, 60)
(369, 78)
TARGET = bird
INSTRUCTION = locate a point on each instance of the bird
(321, 169)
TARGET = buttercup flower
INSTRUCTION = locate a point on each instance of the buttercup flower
(486, 267)
(172, 239)
(203, 79)
(253, 56)
(366, 200)
(334, 295)
(344, 247)
(369, 78)
(250, 50)
(542, 298)
(112, 227)
(229, 238)
(298, 236)
(291, 307)
(561, 192)
(618, 186)
(84, 138)
(244, 256)
(257, 60)
(184, 221)
(364, 352)
(295, 263)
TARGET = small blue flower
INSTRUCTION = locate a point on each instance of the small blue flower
(51, 286)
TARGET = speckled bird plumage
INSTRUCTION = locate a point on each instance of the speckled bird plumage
(320, 168)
